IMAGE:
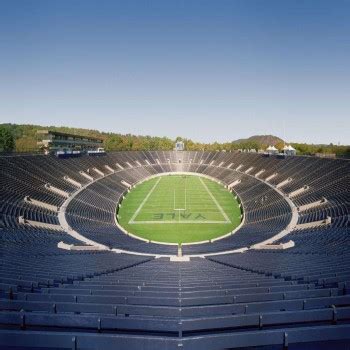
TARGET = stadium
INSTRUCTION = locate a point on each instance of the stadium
(174, 175)
(270, 270)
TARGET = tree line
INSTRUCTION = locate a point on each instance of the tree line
(22, 138)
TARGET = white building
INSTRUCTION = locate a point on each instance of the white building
(288, 150)
(271, 150)
(179, 146)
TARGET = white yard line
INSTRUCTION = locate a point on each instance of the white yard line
(143, 203)
(227, 219)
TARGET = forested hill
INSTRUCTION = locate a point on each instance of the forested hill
(261, 140)
(22, 138)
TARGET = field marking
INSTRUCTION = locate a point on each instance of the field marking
(227, 219)
(175, 201)
(131, 221)
(181, 222)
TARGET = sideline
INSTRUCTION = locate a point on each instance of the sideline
(132, 220)
(227, 220)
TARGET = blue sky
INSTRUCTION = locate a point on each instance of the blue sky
(208, 70)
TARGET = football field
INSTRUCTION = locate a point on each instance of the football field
(179, 209)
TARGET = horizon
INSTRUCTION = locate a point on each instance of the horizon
(203, 70)
(183, 138)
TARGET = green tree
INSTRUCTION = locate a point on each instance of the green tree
(114, 143)
(23, 138)
(7, 140)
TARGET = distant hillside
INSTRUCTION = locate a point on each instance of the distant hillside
(262, 140)
(22, 138)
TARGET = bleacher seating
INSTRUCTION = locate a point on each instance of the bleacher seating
(268, 299)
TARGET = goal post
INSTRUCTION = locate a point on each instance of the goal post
(185, 208)
(180, 209)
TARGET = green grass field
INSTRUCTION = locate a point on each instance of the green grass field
(179, 209)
